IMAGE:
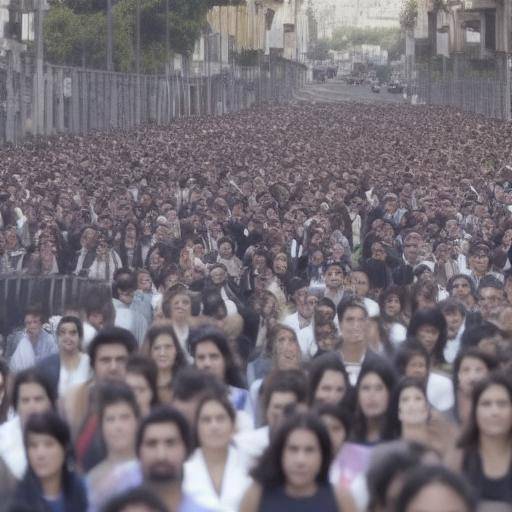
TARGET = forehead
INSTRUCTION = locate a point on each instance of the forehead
(111, 349)
(161, 431)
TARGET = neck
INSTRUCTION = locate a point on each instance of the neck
(70, 359)
(301, 492)
(121, 456)
(463, 406)
(373, 429)
(52, 485)
(353, 352)
(180, 323)
(415, 432)
(169, 493)
(495, 446)
(216, 456)
(164, 377)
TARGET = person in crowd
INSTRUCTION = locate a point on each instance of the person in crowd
(108, 353)
(328, 380)
(164, 348)
(141, 377)
(35, 343)
(434, 488)
(216, 474)
(211, 353)
(373, 397)
(49, 483)
(177, 307)
(70, 366)
(486, 442)
(286, 479)
(118, 417)
(470, 367)
(463, 288)
(32, 393)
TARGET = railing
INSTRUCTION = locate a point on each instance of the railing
(78, 100)
(54, 293)
(486, 92)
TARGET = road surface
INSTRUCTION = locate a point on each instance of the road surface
(335, 91)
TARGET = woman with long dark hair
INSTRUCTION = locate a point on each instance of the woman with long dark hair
(49, 484)
(372, 394)
(487, 441)
(212, 354)
(328, 380)
(163, 347)
(293, 473)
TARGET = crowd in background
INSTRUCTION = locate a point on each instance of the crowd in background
(311, 309)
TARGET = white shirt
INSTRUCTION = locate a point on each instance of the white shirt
(78, 376)
(197, 482)
(252, 444)
(440, 391)
(452, 347)
(306, 336)
(12, 450)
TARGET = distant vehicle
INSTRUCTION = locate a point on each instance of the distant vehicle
(396, 88)
(376, 88)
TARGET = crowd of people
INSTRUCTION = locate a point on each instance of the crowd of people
(310, 309)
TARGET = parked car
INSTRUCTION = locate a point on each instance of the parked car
(396, 88)
(376, 88)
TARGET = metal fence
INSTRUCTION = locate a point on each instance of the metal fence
(53, 293)
(78, 100)
(485, 92)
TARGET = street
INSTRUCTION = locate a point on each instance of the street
(336, 91)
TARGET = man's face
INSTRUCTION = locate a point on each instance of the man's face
(32, 399)
(162, 453)
(110, 362)
(353, 325)
(454, 320)
(33, 325)
(334, 277)
(306, 308)
(411, 248)
(490, 301)
(278, 401)
(479, 262)
(88, 239)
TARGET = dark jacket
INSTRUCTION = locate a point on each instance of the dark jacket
(50, 367)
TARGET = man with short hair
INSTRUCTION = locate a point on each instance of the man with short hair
(108, 353)
(353, 324)
(491, 298)
(35, 343)
(163, 444)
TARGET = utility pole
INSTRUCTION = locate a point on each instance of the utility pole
(109, 35)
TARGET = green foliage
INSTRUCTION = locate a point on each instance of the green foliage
(409, 14)
(75, 31)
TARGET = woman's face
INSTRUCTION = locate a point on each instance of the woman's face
(301, 459)
(392, 306)
(360, 284)
(181, 307)
(287, 351)
(69, 339)
(428, 335)
(336, 430)
(163, 352)
(373, 396)
(494, 412)
(412, 406)
(119, 425)
(141, 390)
(332, 387)
(215, 428)
(280, 264)
(45, 455)
(471, 371)
(461, 288)
(225, 250)
(417, 368)
(437, 497)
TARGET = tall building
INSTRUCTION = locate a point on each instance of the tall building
(356, 13)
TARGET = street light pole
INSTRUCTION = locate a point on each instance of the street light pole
(109, 35)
